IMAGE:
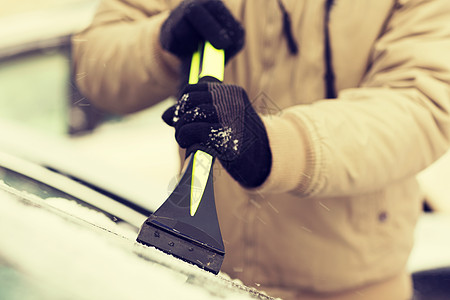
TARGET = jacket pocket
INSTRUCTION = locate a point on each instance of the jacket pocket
(385, 220)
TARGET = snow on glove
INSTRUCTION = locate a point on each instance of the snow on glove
(219, 119)
(195, 21)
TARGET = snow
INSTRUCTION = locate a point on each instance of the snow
(56, 256)
(432, 243)
(91, 216)
(220, 138)
(179, 108)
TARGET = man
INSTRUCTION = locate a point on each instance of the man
(339, 106)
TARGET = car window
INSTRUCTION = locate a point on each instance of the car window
(23, 183)
(24, 186)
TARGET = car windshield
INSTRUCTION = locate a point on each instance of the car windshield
(23, 183)
(47, 252)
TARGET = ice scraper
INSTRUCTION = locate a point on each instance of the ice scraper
(186, 224)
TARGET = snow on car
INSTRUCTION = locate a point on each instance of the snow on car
(56, 248)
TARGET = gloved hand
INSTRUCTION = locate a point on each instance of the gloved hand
(219, 119)
(195, 21)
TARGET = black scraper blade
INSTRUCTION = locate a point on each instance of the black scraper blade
(186, 224)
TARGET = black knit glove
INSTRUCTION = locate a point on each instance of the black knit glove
(195, 21)
(219, 119)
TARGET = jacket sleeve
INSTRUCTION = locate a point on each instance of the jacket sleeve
(118, 62)
(387, 129)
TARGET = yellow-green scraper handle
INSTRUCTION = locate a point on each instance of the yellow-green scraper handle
(206, 62)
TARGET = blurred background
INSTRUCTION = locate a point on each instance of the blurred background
(44, 118)
(35, 65)
(38, 96)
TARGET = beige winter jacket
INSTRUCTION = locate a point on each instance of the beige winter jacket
(337, 213)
